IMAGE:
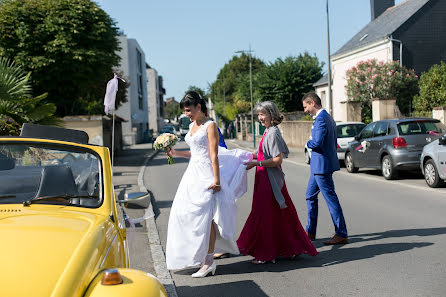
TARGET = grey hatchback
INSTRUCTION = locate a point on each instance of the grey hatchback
(392, 145)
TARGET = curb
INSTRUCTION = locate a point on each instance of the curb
(158, 257)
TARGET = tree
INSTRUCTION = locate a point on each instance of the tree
(69, 45)
(432, 86)
(372, 79)
(172, 110)
(17, 106)
(199, 90)
(286, 81)
(230, 92)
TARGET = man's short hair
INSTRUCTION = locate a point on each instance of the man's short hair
(312, 97)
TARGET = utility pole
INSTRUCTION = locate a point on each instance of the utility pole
(330, 95)
(250, 87)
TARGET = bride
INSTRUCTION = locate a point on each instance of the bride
(203, 213)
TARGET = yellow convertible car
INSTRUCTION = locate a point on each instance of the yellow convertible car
(62, 231)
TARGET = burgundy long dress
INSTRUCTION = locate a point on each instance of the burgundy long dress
(269, 231)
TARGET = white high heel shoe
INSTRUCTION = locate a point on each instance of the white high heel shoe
(211, 269)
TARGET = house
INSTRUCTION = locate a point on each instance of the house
(412, 32)
(321, 89)
(155, 99)
(135, 110)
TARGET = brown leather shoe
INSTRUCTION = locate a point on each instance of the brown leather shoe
(336, 240)
(311, 236)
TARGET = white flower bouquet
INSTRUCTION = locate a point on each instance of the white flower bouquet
(165, 142)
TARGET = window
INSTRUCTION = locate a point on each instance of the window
(139, 79)
(350, 130)
(381, 129)
(421, 127)
(367, 132)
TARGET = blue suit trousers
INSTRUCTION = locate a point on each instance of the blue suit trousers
(324, 183)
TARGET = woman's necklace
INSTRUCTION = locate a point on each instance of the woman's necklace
(199, 123)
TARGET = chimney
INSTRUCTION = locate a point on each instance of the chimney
(377, 7)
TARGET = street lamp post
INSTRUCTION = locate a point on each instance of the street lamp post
(250, 87)
(330, 95)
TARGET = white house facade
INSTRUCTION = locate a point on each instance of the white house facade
(381, 51)
(155, 99)
(135, 110)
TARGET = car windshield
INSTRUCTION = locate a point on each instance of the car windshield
(29, 172)
(421, 127)
(349, 130)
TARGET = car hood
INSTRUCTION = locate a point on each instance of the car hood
(46, 251)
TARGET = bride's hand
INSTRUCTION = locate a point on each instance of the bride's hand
(171, 152)
(250, 165)
(215, 188)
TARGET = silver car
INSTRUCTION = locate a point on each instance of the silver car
(392, 145)
(433, 162)
(346, 132)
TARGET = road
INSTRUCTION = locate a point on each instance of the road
(397, 239)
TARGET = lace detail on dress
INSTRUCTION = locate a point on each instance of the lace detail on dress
(199, 144)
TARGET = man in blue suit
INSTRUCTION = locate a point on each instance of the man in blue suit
(324, 161)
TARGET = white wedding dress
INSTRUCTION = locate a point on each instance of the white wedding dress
(194, 206)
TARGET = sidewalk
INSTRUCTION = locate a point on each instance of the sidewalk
(145, 249)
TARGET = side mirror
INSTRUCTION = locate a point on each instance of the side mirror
(136, 199)
(442, 140)
(357, 137)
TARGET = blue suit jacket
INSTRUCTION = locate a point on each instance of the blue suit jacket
(324, 158)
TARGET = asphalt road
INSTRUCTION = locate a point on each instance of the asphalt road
(397, 239)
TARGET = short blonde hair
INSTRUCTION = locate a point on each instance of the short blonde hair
(270, 108)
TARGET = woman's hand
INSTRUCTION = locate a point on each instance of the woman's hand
(250, 165)
(215, 188)
(171, 152)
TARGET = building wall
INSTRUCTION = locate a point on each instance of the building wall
(153, 94)
(92, 125)
(322, 92)
(135, 110)
(423, 37)
(382, 51)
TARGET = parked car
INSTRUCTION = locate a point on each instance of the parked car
(168, 129)
(346, 132)
(433, 162)
(392, 145)
(61, 226)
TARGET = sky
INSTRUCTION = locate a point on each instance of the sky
(188, 42)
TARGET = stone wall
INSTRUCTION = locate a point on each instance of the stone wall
(296, 133)
(439, 113)
(384, 109)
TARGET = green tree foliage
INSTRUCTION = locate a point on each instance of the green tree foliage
(432, 86)
(172, 110)
(230, 93)
(17, 106)
(372, 79)
(286, 81)
(199, 90)
(69, 45)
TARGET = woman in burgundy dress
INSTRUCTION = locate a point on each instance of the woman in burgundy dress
(273, 228)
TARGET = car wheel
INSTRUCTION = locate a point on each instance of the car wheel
(387, 168)
(349, 163)
(431, 176)
(307, 157)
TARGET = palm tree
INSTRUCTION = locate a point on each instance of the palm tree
(17, 105)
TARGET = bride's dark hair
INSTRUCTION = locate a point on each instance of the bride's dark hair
(192, 98)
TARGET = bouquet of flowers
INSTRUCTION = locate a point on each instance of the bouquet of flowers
(165, 142)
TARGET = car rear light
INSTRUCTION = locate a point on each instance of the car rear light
(338, 146)
(111, 277)
(399, 142)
